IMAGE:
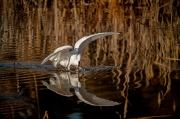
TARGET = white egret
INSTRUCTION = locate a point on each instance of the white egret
(66, 58)
(59, 84)
(91, 99)
(65, 80)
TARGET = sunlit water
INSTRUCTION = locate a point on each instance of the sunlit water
(136, 72)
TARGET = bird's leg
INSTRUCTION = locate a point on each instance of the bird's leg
(79, 83)
(68, 67)
(78, 65)
(68, 64)
(65, 68)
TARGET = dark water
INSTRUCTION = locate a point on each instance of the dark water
(131, 75)
(135, 98)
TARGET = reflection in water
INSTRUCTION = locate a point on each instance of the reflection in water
(17, 103)
(75, 115)
(159, 97)
(146, 54)
(27, 115)
(13, 97)
(60, 84)
(65, 80)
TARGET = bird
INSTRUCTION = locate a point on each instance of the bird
(64, 57)
(62, 82)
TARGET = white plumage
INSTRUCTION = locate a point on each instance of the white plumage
(66, 58)
(64, 81)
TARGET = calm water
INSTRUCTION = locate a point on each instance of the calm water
(131, 75)
(135, 98)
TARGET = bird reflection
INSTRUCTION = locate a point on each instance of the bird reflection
(62, 82)
(16, 98)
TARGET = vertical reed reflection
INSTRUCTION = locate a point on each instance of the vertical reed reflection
(19, 93)
(148, 47)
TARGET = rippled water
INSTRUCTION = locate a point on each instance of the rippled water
(131, 75)
(135, 98)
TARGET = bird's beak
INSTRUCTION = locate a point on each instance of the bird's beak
(80, 68)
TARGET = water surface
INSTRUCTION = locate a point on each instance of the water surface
(136, 71)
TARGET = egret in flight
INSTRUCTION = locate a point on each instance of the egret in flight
(64, 57)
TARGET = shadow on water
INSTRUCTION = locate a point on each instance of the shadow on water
(131, 75)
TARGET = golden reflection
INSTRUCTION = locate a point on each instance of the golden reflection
(46, 115)
(13, 100)
(124, 92)
(93, 80)
(147, 47)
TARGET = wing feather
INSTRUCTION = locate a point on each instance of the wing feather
(91, 99)
(81, 43)
(57, 51)
(65, 91)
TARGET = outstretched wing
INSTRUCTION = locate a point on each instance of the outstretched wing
(56, 52)
(91, 99)
(81, 43)
(59, 84)
(61, 89)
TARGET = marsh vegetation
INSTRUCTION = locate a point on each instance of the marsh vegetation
(143, 61)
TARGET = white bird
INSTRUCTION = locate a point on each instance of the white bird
(65, 80)
(60, 84)
(66, 58)
(91, 99)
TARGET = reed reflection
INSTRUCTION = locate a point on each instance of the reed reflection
(62, 82)
(27, 115)
(16, 105)
(13, 97)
